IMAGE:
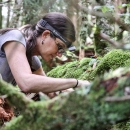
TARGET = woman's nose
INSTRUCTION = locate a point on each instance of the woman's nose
(59, 54)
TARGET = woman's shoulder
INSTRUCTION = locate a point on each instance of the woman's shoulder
(13, 35)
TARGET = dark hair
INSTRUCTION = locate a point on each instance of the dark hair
(58, 21)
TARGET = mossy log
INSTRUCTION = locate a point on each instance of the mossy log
(95, 107)
(111, 61)
(89, 68)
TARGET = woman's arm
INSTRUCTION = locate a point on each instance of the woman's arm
(39, 71)
(26, 80)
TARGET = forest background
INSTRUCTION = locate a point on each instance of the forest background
(101, 27)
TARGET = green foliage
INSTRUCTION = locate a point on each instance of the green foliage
(33, 6)
(38, 8)
(84, 69)
(71, 69)
(111, 61)
(107, 9)
(59, 6)
(84, 108)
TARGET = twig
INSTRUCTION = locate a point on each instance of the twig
(107, 38)
(4, 2)
(117, 99)
(104, 15)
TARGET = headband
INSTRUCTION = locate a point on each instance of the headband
(44, 23)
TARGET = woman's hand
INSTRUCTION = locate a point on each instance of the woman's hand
(83, 83)
(52, 95)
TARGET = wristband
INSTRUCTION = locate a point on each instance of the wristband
(76, 84)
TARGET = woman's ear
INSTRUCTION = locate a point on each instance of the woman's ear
(46, 33)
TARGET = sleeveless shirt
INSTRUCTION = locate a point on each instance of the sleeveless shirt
(13, 35)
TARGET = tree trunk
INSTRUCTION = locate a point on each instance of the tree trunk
(16, 14)
(8, 15)
(0, 15)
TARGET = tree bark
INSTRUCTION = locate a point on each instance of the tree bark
(16, 14)
(0, 14)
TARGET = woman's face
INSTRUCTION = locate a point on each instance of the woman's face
(51, 47)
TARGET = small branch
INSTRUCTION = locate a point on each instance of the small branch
(107, 38)
(4, 2)
(102, 15)
(117, 99)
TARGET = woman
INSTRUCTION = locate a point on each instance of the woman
(19, 49)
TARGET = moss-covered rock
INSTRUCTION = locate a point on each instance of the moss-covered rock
(72, 69)
(111, 61)
(84, 69)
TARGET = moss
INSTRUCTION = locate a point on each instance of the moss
(84, 69)
(54, 72)
(71, 69)
(100, 45)
(13, 94)
(111, 61)
(82, 108)
(65, 111)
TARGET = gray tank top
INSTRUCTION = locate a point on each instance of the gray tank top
(13, 35)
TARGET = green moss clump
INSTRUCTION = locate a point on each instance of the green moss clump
(84, 69)
(71, 69)
(54, 72)
(111, 61)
